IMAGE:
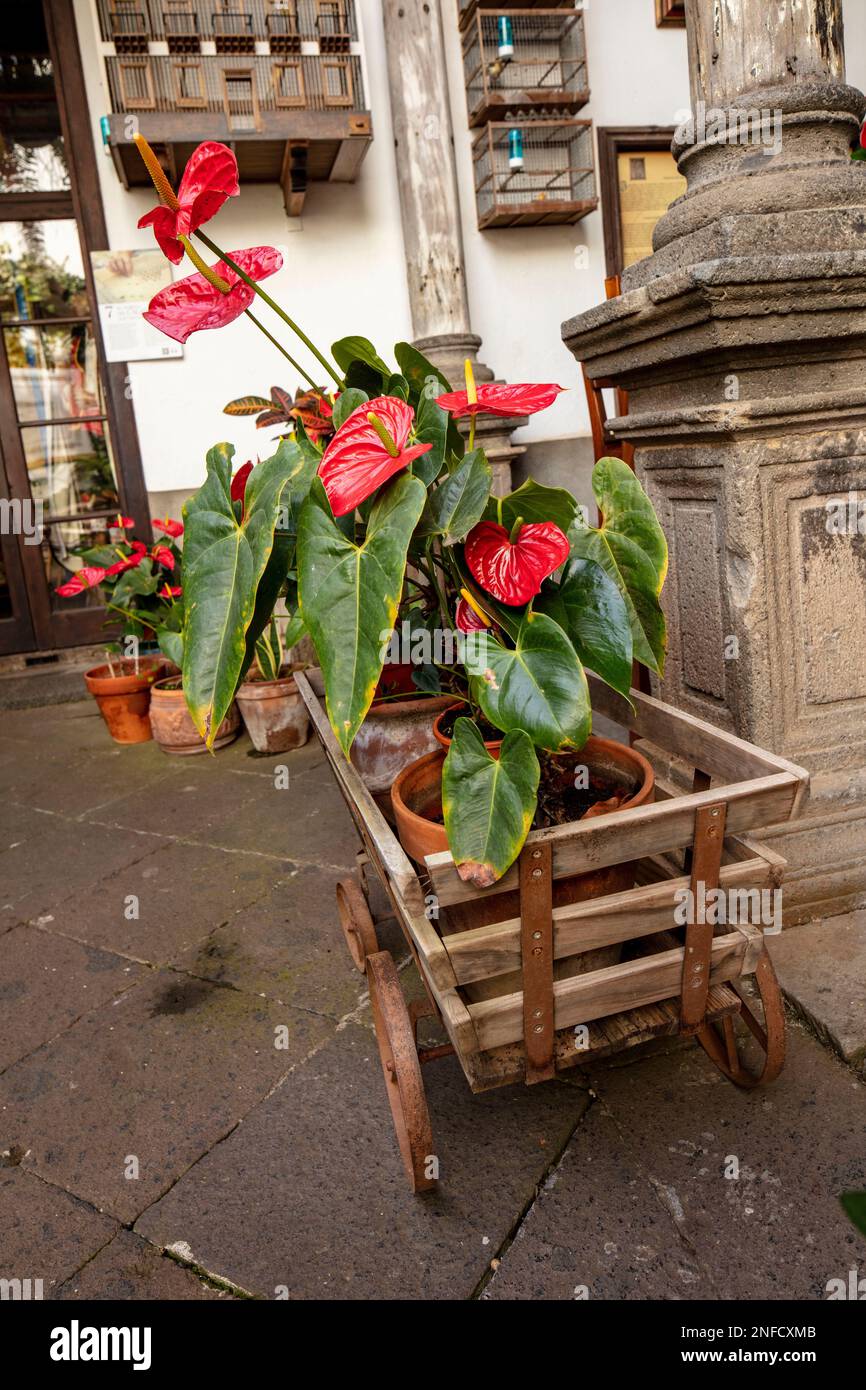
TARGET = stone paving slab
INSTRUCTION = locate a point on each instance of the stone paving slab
(184, 892)
(822, 969)
(309, 1192)
(289, 946)
(306, 821)
(46, 1233)
(130, 1268)
(640, 1206)
(47, 983)
(161, 1073)
(54, 858)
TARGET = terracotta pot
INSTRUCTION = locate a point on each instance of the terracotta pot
(124, 699)
(172, 723)
(275, 716)
(492, 745)
(394, 734)
(417, 795)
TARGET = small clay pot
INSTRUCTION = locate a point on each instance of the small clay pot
(492, 745)
(124, 698)
(275, 716)
(172, 723)
(394, 734)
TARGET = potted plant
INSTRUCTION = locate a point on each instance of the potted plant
(273, 712)
(137, 581)
(387, 544)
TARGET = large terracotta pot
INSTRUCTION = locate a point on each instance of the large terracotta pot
(394, 734)
(275, 716)
(124, 698)
(417, 801)
(172, 723)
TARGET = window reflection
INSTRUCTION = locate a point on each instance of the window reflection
(55, 371)
(70, 467)
(32, 157)
(41, 271)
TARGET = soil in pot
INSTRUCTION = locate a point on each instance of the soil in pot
(122, 692)
(275, 716)
(443, 726)
(172, 723)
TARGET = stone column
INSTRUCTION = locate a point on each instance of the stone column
(742, 344)
(430, 208)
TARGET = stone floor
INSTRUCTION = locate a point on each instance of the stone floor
(191, 1104)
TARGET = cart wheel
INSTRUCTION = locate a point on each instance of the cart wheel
(719, 1041)
(401, 1069)
(357, 924)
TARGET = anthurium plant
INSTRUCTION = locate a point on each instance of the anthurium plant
(384, 524)
(141, 584)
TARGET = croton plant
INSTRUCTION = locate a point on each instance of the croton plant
(374, 513)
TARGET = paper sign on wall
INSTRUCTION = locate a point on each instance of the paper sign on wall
(126, 281)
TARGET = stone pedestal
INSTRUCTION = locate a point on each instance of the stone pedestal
(430, 209)
(742, 344)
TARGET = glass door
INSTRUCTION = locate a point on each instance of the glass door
(60, 481)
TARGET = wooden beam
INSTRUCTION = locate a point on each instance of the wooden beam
(628, 986)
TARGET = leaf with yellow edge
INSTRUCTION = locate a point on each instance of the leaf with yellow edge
(349, 594)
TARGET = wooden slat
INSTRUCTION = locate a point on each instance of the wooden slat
(633, 834)
(502, 1066)
(486, 952)
(630, 985)
(697, 742)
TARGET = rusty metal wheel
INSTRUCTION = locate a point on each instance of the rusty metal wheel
(402, 1071)
(358, 926)
(757, 1059)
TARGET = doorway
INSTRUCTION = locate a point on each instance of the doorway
(65, 417)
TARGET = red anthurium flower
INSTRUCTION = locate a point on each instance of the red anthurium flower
(467, 618)
(511, 568)
(139, 550)
(367, 450)
(169, 527)
(123, 523)
(86, 578)
(239, 485)
(194, 303)
(170, 591)
(163, 556)
(210, 177)
(500, 400)
(863, 135)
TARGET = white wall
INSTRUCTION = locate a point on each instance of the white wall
(343, 273)
(344, 269)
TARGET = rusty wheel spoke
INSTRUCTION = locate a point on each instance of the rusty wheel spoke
(401, 1069)
(358, 926)
(720, 1045)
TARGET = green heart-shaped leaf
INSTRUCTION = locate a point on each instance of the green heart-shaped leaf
(350, 593)
(539, 685)
(431, 427)
(488, 803)
(631, 548)
(357, 349)
(590, 608)
(534, 502)
(347, 401)
(224, 561)
(459, 500)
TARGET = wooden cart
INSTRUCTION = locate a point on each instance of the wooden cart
(498, 988)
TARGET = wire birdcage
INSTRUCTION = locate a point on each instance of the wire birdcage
(525, 61)
(540, 172)
(467, 9)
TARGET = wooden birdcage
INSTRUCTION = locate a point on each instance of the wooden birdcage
(283, 27)
(530, 61)
(534, 173)
(128, 26)
(233, 28)
(180, 24)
